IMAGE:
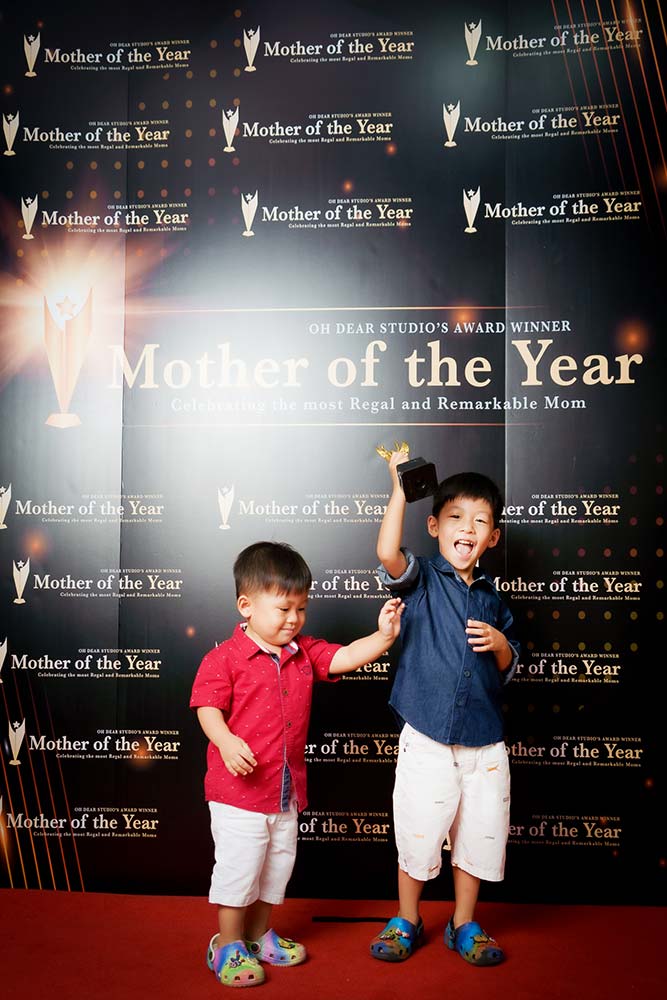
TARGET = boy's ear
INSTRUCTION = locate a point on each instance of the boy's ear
(244, 605)
(493, 540)
(432, 526)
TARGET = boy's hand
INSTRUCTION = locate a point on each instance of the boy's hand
(484, 638)
(389, 619)
(237, 755)
(397, 458)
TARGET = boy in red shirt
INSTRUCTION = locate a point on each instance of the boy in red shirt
(253, 694)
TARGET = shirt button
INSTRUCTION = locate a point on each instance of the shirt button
(466, 673)
(461, 701)
(288, 724)
(285, 691)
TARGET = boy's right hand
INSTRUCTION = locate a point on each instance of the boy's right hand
(397, 458)
(237, 755)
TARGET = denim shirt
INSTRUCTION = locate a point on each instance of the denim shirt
(443, 688)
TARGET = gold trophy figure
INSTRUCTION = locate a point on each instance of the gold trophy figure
(417, 477)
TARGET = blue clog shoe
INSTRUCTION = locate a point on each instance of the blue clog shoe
(398, 940)
(473, 944)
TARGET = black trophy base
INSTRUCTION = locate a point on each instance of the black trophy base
(418, 479)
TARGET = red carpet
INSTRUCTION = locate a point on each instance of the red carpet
(67, 946)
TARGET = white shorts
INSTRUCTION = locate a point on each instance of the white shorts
(463, 792)
(254, 854)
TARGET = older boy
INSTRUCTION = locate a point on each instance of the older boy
(452, 775)
(253, 694)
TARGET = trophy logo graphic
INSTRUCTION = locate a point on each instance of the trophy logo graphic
(10, 125)
(450, 115)
(31, 48)
(250, 44)
(5, 500)
(3, 654)
(225, 501)
(470, 205)
(230, 123)
(66, 334)
(28, 211)
(16, 734)
(248, 207)
(473, 35)
(21, 574)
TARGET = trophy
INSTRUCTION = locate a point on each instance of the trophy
(450, 115)
(15, 740)
(417, 477)
(31, 48)
(66, 336)
(230, 121)
(21, 572)
(29, 211)
(5, 500)
(473, 33)
(3, 654)
(225, 501)
(10, 124)
(248, 207)
(250, 43)
(470, 206)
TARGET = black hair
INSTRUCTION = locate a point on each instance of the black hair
(472, 485)
(272, 566)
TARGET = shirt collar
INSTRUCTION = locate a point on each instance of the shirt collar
(249, 648)
(444, 566)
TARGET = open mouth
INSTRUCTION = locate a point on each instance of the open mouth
(463, 547)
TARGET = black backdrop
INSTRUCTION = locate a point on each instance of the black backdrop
(444, 226)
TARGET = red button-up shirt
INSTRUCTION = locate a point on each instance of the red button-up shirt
(268, 707)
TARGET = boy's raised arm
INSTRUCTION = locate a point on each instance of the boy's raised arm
(391, 530)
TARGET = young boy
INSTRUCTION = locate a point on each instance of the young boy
(452, 774)
(253, 694)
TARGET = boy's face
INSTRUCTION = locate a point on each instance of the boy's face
(464, 529)
(273, 619)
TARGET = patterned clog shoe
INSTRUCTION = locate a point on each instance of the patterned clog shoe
(233, 965)
(473, 944)
(276, 950)
(398, 940)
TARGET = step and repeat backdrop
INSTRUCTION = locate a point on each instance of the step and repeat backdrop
(242, 247)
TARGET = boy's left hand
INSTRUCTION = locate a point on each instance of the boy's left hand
(484, 638)
(389, 619)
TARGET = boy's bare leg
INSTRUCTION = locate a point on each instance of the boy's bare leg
(409, 894)
(257, 920)
(466, 891)
(230, 924)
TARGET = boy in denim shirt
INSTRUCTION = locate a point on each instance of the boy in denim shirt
(452, 774)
